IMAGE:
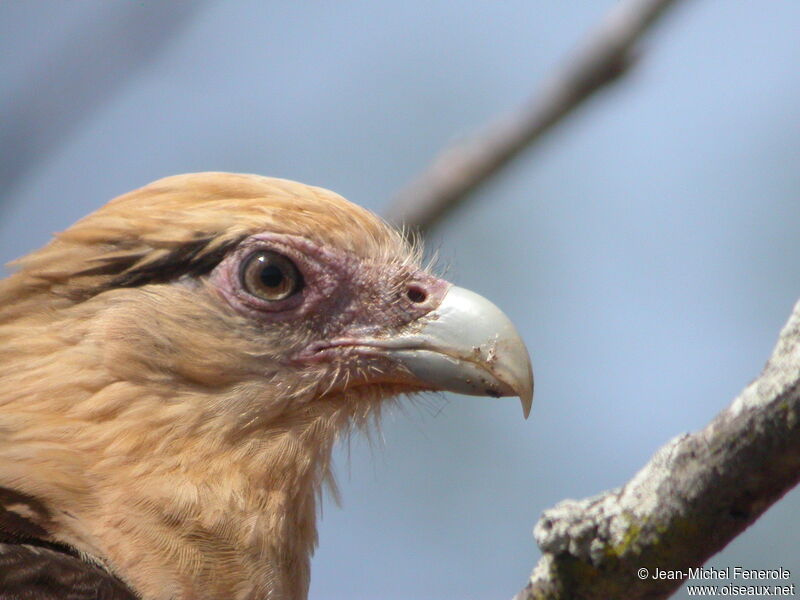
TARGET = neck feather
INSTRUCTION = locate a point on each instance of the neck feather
(178, 495)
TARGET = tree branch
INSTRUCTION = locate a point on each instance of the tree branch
(694, 496)
(605, 55)
(700, 490)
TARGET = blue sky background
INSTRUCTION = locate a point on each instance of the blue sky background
(647, 249)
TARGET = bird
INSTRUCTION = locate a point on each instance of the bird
(176, 367)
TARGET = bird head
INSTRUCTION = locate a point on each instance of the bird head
(275, 289)
(175, 367)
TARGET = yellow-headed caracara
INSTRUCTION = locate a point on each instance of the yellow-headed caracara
(175, 368)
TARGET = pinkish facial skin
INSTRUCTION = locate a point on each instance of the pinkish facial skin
(344, 299)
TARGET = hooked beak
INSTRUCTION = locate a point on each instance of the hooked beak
(467, 345)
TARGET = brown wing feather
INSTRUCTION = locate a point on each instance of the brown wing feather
(34, 569)
(29, 572)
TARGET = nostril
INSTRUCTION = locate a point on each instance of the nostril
(416, 294)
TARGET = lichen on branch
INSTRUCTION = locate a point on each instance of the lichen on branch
(697, 493)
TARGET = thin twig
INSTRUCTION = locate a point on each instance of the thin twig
(604, 56)
(694, 496)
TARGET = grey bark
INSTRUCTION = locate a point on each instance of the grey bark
(695, 495)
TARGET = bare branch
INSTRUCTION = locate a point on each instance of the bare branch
(694, 496)
(457, 171)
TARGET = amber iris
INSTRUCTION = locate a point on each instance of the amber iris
(270, 276)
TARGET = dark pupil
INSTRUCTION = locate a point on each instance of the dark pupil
(271, 276)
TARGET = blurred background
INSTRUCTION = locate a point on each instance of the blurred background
(647, 249)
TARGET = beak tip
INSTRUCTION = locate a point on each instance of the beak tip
(526, 397)
(518, 374)
(527, 403)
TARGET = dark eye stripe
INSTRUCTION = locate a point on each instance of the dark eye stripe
(131, 268)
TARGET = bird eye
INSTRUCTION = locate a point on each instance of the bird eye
(270, 276)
